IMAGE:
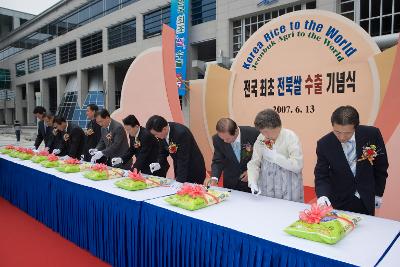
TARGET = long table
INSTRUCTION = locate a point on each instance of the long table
(140, 229)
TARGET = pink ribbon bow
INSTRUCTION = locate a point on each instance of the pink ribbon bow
(99, 167)
(72, 161)
(52, 157)
(136, 176)
(315, 214)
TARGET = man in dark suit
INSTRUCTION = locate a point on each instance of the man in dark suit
(53, 136)
(144, 146)
(73, 138)
(113, 142)
(180, 144)
(39, 113)
(343, 177)
(93, 131)
(233, 148)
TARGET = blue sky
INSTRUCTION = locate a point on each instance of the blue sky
(28, 6)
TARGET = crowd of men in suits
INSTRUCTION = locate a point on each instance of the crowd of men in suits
(341, 180)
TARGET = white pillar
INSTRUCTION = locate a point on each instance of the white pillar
(31, 102)
(109, 86)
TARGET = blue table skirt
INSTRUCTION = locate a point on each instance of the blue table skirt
(104, 224)
(171, 239)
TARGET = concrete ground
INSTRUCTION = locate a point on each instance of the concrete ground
(7, 136)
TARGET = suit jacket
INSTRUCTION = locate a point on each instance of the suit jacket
(41, 134)
(55, 140)
(333, 176)
(73, 140)
(113, 142)
(189, 163)
(224, 159)
(92, 140)
(145, 148)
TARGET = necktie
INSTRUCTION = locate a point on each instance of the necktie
(351, 155)
(236, 150)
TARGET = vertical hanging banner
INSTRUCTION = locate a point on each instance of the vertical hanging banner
(179, 22)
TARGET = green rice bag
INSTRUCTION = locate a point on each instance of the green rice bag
(189, 203)
(96, 175)
(69, 168)
(131, 185)
(330, 230)
(38, 159)
(50, 164)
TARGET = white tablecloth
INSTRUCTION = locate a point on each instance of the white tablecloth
(264, 218)
(105, 185)
(267, 217)
(392, 258)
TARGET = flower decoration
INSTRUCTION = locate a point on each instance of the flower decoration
(43, 153)
(89, 131)
(10, 147)
(52, 157)
(136, 176)
(28, 151)
(172, 148)
(315, 214)
(369, 153)
(137, 143)
(109, 137)
(72, 161)
(269, 143)
(99, 167)
(247, 150)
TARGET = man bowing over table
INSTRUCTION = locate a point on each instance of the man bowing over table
(352, 164)
(72, 138)
(180, 144)
(113, 142)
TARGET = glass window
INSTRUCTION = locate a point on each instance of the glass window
(122, 34)
(111, 5)
(49, 59)
(96, 10)
(92, 44)
(84, 16)
(68, 52)
(153, 21)
(20, 69)
(33, 64)
(203, 11)
(378, 17)
(244, 28)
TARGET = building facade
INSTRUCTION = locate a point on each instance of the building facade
(78, 51)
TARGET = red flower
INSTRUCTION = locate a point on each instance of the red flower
(136, 176)
(43, 153)
(172, 148)
(269, 143)
(99, 167)
(52, 157)
(29, 151)
(370, 152)
(315, 214)
(192, 190)
(72, 161)
(10, 147)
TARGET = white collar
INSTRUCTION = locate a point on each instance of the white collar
(108, 127)
(66, 128)
(137, 134)
(169, 130)
(353, 138)
(237, 140)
